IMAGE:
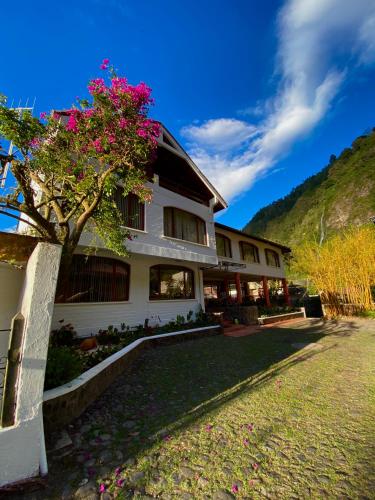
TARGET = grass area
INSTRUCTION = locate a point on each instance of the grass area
(263, 416)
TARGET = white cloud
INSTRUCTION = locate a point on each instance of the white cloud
(319, 43)
(221, 135)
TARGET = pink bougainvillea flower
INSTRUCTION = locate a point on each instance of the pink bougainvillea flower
(246, 442)
(234, 488)
(104, 64)
(88, 113)
(97, 86)
(250, 427)
(142, 133)
(120, 482)
(123, 123)
(102, 488)
(43, 115)
(34, 143)
(118, 471)
(255, 466)
(98, 146)
(209, 427)
(72, 124)
(119, 85)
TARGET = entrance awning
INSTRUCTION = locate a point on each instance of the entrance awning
(225, 265)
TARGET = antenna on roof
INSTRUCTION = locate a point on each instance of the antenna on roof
(20, 110)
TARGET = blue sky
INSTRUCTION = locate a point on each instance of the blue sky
(259, 92)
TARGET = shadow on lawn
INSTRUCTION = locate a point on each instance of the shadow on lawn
(176, 386)
(171, 387)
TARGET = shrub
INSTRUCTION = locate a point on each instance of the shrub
(64, 336)
(342, 269)
(92, 358)
(109, 336)
(274, 311)
(63, 365)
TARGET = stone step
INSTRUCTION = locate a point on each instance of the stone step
(232, 328)
(243, 331)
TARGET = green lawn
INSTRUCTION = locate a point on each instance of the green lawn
(252, 417)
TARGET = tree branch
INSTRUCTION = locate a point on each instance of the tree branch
(23, 220)
(76, 207)
(27, 207)
(44, 188)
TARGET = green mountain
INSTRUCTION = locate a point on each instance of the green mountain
(341, 194)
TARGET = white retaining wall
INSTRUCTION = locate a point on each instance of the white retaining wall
(22, 445)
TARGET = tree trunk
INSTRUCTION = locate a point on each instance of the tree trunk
(64, 271)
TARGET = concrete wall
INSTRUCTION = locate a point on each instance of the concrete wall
(152, 241)
(88, 318)
(257, 269)
(11, 280)
(64, 403)
(22, 445)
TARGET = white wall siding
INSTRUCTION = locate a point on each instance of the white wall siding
(257, 269)
(152, 241)
(88, 318)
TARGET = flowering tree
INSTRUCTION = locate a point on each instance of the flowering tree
(69, 163)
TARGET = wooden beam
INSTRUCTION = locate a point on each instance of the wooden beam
(238, 288)
(266, 291)
(286, 292)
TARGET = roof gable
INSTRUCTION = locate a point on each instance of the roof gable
(168, 143)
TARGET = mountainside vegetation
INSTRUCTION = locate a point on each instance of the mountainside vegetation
(341, 195)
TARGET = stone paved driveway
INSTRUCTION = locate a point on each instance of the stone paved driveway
(286, 413)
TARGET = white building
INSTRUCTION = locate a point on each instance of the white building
(178, 255)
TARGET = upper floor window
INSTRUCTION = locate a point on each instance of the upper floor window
(95, 279)
(184, 225)
(272, 258)
(132, 209)
(249, 252)
(223, 245)
(171, 283)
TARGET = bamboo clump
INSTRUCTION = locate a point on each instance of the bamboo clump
(342, 270)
